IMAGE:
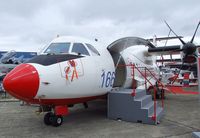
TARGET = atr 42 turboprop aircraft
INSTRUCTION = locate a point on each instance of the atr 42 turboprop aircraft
(73, 70)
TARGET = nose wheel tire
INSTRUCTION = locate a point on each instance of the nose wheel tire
(48, 118)
(52, 119)
(57, 120)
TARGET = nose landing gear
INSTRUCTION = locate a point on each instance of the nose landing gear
(55, 117)
(52, 119)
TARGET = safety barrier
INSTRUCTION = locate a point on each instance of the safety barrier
(144, 75)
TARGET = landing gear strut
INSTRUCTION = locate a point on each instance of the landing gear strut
(52, 119)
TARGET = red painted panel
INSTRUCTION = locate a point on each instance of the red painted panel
(61, 110)
(22, 82)
(186, 79)
(186, 76)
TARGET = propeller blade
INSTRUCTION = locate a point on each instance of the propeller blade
(175, 33)
(195, 33)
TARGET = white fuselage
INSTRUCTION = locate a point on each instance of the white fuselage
(88, 83)
(88, 74)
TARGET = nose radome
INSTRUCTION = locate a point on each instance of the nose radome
(22, 82)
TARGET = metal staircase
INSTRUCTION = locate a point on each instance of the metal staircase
(123, 105)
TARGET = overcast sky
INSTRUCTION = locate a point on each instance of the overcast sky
(27, 25)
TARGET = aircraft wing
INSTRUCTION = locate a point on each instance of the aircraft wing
(165, 49)
(168, 60)
(164, 38)
(183, 67)
(123, 43)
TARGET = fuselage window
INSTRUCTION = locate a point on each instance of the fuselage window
(58, 48)
(80, 49)
(92, 49)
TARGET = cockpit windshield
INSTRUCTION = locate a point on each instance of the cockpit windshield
(92, 49)
(73, 48)
(58, 48)
(80, 49)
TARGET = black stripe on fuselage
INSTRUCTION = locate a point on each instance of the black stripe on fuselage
(47, 60)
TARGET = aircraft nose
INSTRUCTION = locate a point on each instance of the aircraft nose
(22, 82)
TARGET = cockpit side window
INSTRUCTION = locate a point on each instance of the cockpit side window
(80, 49)
(58, 48)
(92, 49)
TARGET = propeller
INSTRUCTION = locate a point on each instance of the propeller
(188, 48)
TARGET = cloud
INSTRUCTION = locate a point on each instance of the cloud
(30, 24)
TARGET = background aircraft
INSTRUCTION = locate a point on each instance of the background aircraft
(10, 59)
(187, 51)
(7, 63)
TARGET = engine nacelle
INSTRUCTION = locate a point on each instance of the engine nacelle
(137, 56)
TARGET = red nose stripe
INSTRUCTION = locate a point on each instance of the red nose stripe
(22, 82)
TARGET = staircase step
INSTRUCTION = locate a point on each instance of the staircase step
(159, 113)
(144, 100)
(121, 91)
(139, 93)
(129, 91)
(150, 107)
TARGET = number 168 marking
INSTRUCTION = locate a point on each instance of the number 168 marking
(107, 79)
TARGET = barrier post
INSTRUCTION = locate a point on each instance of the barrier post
(162, 97)
(133, 80)
(198, 70)
(145, 79)
(154, 116)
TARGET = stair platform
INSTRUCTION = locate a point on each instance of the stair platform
(139, 108)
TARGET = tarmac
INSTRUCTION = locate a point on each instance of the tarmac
(182, 117)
